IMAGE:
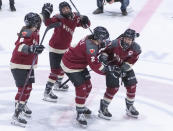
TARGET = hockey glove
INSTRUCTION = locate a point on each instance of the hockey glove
(36, 49)
(84, 21)
(103, 58)
(47, 10)
(113, 69)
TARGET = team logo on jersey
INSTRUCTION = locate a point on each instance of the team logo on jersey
(92, 51)
(24, 33)
(130, 53)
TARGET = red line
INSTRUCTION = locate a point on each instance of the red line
(144, 15)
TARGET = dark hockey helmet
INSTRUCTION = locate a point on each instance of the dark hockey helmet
(100, 33)
(130, 34)
(32, 20)
(61, 6)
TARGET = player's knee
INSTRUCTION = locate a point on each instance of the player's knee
(130, 79)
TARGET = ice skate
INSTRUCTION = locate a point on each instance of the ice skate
(87, 112)
(103, 112)
(17, 117)
(131, 110)
(81, 119)
(26, 111)
(49, 95)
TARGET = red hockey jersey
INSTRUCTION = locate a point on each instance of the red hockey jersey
(62, 36)
(118, 56)
(78, 58)
(21, 59)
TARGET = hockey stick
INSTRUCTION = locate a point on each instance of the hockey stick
(36, 56)
(79, 14)
(64, 83)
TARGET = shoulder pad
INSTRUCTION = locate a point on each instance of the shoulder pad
(114, 43)
(26, 33)
(136, 47)
(91, 48)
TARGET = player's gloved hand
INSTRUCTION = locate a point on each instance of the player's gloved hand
(103, 58)
(36, 49)
(113, 69)
(47, 10)
(84, 20)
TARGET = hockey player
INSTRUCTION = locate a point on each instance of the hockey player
(75, 62)
(26, 47)
(122, 54)
(60, 42)
(100, 5)
(11, 3)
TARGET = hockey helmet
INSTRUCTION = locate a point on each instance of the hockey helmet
(61, 6)
(32, 20)
(130, 34)
(100, 33)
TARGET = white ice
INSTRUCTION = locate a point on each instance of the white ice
(154, 70)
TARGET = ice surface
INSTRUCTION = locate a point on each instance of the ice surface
(154, 69)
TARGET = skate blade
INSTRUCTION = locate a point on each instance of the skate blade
(49, 100)
(104, 117)
(18, 124)
(83, 126)
(132, 116)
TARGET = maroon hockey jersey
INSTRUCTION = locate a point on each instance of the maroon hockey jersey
(118, 56)
(21, 59)
(78, 58)
(62, 35)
